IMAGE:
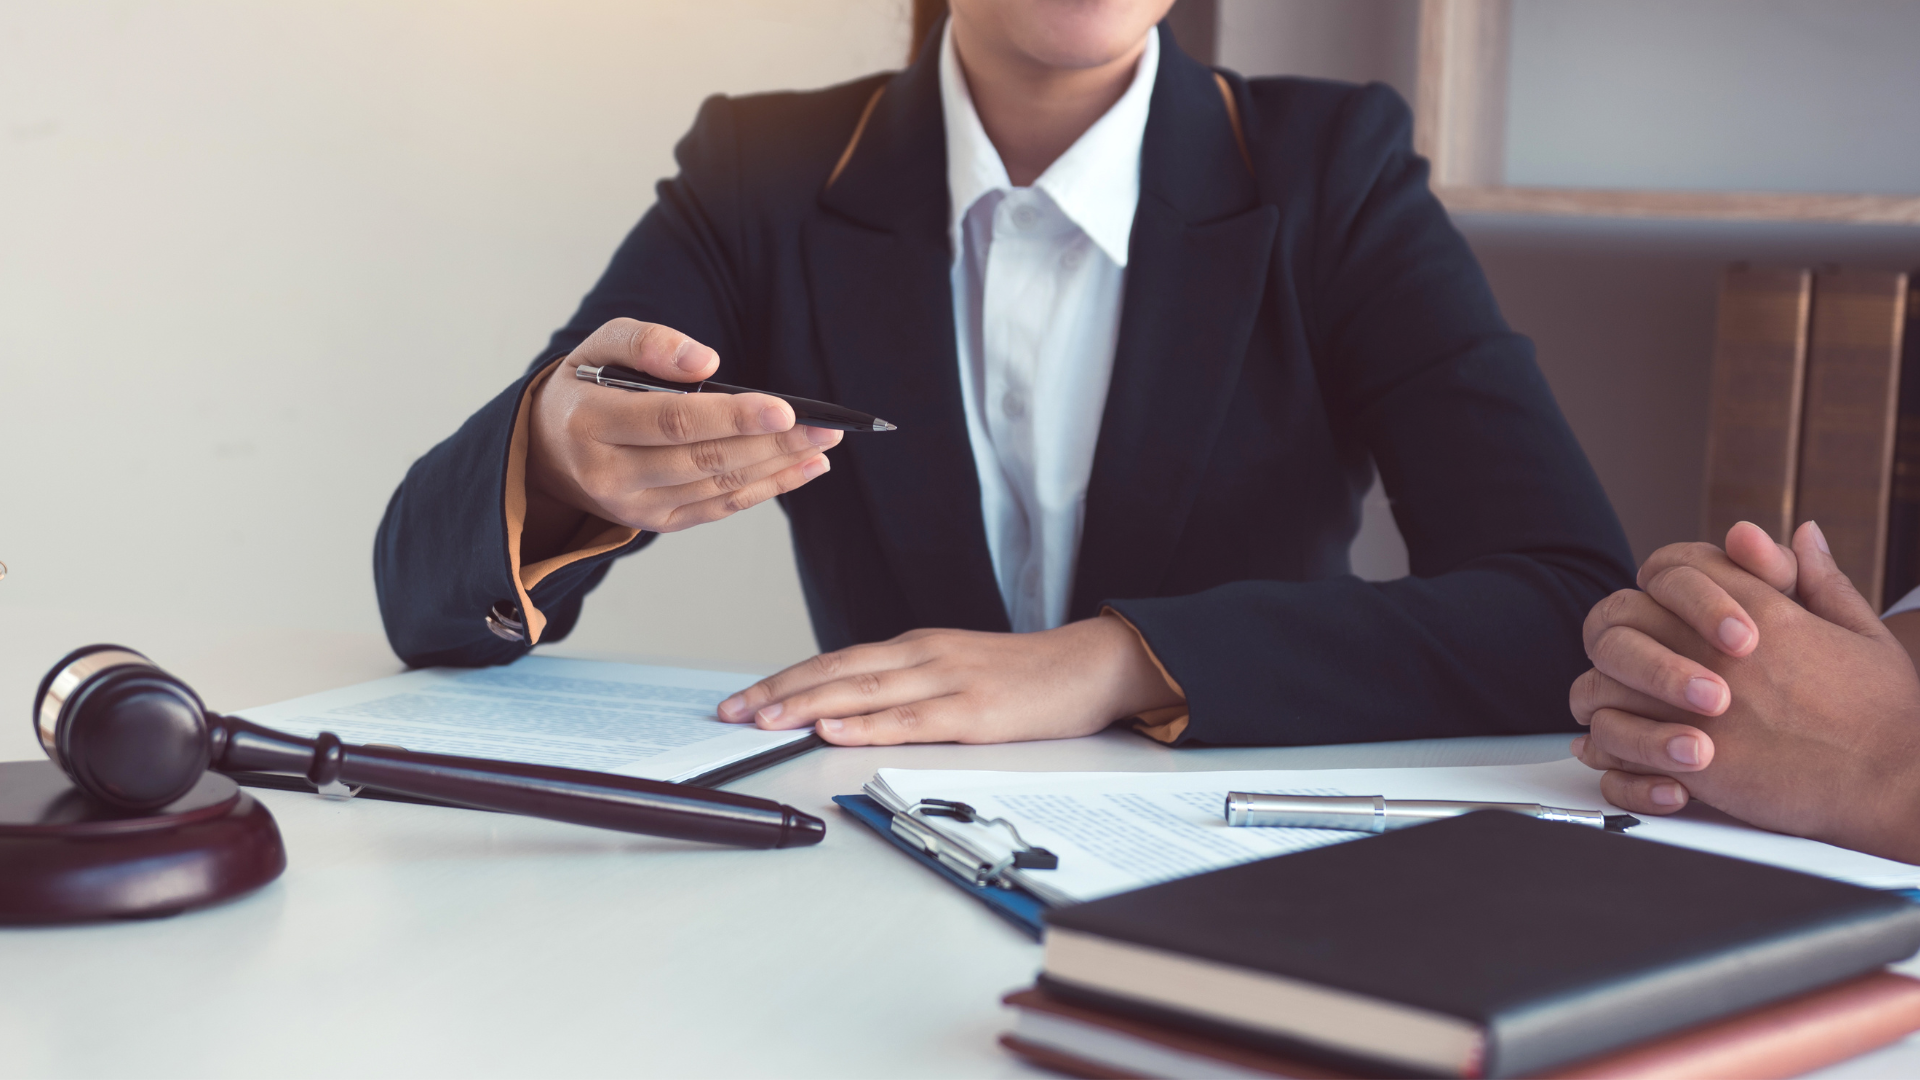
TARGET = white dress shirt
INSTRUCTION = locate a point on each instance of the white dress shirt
(1038, 277)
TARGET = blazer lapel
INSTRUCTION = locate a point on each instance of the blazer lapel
(878, 269)
(1196, 272)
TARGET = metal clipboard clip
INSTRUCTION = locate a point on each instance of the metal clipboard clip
(951, 855)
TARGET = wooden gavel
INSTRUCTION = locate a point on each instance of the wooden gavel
(132, 736)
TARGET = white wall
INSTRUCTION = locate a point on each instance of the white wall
(1780, 95)
(256, 257)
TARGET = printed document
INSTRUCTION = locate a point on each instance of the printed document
(1120, 831)
(652, 722)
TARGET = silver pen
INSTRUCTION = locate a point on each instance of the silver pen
(1373, 814)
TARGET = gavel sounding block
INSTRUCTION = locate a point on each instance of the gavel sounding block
(66, 858)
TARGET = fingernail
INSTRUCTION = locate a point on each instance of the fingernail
(774, 418)
(1819, 538)
(734, 708)
(1734, 633)
(1667, 795)
(684, 357)
(771, 713)
(1705, 695)
(1578, 746)
(832, 725)
(815, 467)
(820, 436)
(1684, 749)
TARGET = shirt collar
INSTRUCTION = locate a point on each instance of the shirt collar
(1096, 183)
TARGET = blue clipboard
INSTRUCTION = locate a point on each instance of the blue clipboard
(1017, 907)
(1013, 905)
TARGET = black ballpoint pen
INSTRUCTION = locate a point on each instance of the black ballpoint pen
(806, 411)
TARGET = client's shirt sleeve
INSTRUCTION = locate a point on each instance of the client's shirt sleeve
(595, 536)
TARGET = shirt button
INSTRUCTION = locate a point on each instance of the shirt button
(1013, 405)
(1073, 259)
(1026, 217)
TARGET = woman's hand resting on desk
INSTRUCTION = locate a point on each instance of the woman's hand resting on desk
(659, 462)
(964, 686)
(1713, 683)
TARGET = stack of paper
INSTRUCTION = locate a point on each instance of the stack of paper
(1119, 831)
(652, 722)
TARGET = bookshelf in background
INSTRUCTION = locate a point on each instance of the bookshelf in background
(1759, 375)
(1903, 503)
(1815, 416)
(1846, 438)
(1460, 125)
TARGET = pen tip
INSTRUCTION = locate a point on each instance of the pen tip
(882, 425)
(1621, 822)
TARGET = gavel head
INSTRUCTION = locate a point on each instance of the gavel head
(126, 732)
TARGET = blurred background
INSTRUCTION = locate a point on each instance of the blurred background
(257, 257)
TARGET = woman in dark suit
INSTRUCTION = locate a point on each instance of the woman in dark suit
(1146, 331)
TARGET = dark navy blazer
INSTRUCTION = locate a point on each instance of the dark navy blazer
(1287, 327)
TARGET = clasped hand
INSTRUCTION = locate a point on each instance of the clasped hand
(1712, 682)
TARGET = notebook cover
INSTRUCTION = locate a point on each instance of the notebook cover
(1562, 942)
(1753, 427)
(1785, 1039)
(1017, 907)
(1847, 435)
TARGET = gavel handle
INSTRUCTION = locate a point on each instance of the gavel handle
(602, 800)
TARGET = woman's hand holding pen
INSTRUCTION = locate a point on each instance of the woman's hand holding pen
(659, 462)
(1713, 683)
(963, 686)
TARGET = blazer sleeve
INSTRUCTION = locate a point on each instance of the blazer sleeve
(1510, 537)
(443, 555)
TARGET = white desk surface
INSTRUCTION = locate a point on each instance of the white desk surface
(419, 941)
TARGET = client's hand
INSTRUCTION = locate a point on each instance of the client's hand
(660, 462)
(963, 686)
(1714, 684)
(1677, 591)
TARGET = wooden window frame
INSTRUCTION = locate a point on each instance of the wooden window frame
(1460, 120)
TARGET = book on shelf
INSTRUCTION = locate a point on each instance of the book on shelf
(1759, 375)
(1452, 949)
(1852, 398)
(1807, 410)
(1787, 1038)
(1903, 507)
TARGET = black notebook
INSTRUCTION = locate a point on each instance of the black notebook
(1486, 945)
